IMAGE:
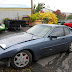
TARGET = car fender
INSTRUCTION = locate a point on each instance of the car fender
(11, 51)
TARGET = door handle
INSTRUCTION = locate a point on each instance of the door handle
(63, 38)
(50, 49)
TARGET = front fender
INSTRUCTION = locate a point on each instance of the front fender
(11, 52)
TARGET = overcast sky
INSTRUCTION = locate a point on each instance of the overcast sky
(63, 5)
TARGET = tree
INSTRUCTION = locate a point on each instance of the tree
(34, 9)
(49, 17)
(60, 16)
(69, 17)
(38, 8)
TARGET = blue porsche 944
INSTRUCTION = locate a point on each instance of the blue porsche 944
(41, 40)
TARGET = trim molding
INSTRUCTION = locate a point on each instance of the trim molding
(15, 9)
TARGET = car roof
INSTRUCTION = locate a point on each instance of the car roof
(53, 25)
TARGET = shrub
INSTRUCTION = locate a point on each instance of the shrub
(5, 19)
(52, 19)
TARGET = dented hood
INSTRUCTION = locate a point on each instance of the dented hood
(17, 38)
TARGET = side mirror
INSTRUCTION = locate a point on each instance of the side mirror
(51, 37)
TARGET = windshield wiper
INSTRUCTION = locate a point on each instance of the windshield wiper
(30, 33)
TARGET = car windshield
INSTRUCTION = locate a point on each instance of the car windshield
(39, 30)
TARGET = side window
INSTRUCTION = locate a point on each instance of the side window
(57, 32)
(66, 31)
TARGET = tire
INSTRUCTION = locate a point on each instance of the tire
(21, 60)
(70, 47)
(20, 27)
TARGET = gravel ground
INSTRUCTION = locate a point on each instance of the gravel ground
(7, 32)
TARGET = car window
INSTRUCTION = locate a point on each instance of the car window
(57, 32)
(66, 31)
(39, 30)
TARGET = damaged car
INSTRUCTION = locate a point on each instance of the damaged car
(19, 50)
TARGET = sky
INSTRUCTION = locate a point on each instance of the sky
(63, 5)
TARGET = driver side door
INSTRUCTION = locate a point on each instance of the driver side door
(54, 45)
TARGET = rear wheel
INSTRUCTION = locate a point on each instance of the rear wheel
(21, 59)
(70, 47)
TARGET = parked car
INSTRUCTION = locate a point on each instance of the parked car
(2, 27)
(39, 41)
(68, 24)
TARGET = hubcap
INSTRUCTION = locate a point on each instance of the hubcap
(21, 59)
(71, 47)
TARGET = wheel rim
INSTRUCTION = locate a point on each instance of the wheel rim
(71, 47)
(20, 26)
(21, 59)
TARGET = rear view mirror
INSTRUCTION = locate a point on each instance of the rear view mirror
(52, 37)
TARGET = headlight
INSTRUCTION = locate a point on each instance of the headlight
(3, 46)
(1, 27)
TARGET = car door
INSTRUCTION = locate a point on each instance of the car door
(56, 44)
(68, 37)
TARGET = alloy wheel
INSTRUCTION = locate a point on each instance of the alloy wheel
(21, 59)
(70, 48)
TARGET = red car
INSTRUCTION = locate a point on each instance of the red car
(68, 24)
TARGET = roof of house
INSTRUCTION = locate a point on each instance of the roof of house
(13, 6)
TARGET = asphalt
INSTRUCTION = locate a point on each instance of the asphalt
(61, 62)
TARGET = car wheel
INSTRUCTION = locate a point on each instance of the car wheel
(19, 28)
(21, 60)
(70, 47)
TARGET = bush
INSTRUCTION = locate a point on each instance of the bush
(69, 17)
(45, 20)
(5, 19)
(52, 19)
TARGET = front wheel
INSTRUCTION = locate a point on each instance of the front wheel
(70, 47)
(21, 59)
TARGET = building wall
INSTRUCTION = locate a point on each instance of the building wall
(13, 13)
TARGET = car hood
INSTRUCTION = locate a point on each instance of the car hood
(17, 38)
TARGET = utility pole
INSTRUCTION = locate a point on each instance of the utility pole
(31, 7)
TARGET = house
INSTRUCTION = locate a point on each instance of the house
(14, 11)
